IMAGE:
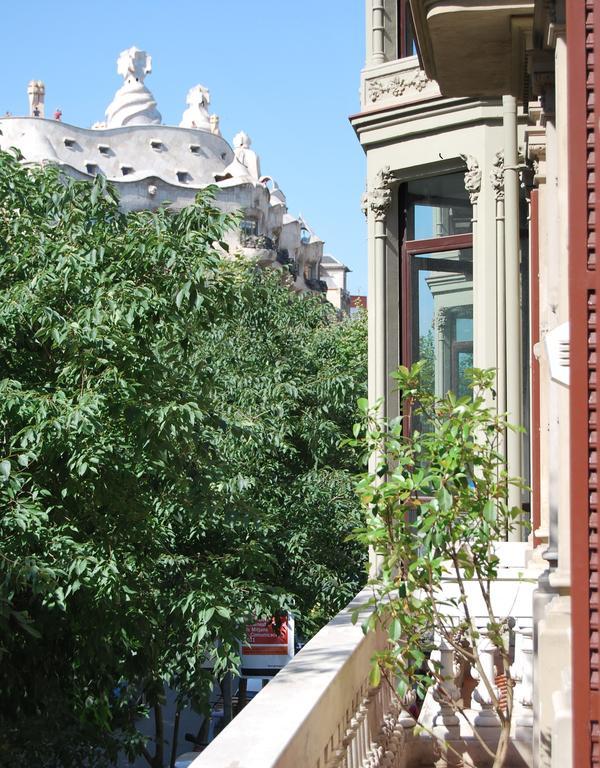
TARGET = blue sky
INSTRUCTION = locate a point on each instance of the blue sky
(285, 72)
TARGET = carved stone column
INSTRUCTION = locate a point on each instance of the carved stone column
(497, 180)
(512, 302)
(378, 27)
(378, 203)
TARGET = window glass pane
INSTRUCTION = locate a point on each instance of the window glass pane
(410, 40)
(407, 41)
(249, 227)
(464, 329)
(437, 207)
(442, 318)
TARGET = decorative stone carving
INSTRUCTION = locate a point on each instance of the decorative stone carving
(472, 178)
(36, 91)
(214, 125)
(245, 164)
(364, 202)
(497, 175)
(535, 135)
(440, 319)
(397, 85)
(196, 115)
(276, 196)
(133, 104)
(379, 199)
(246, 156)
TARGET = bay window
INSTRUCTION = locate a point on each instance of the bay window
(437, 281)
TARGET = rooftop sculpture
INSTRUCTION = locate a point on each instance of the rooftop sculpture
(36, 92)
(245, 164)
(153, 164)
(196, 115)
(133, 104)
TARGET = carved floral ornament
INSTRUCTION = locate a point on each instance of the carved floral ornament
(472, 178)
(440, 318)
(397, 85)
(379, 199)
(497, 176)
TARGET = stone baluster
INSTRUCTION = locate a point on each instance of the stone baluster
(337, 756)
(372, 722)
(396, 735)
(380, 725)
(346, 749)
(482, 700)
(523, 674)
(354, 758)
(363, 730)
(388, 755)
(445, 692)
(405, 719)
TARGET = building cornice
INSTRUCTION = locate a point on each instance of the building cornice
(424, 118)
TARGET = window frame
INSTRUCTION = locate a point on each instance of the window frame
(410, 250)
(403, 13)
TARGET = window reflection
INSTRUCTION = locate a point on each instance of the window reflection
(442, 318)
(438, 207)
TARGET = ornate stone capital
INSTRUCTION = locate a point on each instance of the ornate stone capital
(497, 176)
(379, 199)
(364, 202)
(535, 135)
(441, 316)
(472, 178)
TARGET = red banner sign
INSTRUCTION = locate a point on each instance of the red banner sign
(265, 638)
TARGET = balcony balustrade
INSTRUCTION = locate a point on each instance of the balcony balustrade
(320, 712)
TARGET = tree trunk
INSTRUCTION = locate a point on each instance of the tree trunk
(159, 735)
(175, 738)
(503, 744)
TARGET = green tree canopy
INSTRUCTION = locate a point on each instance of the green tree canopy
(288, 374)
(168, 468)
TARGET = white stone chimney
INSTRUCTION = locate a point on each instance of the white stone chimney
(36, 92)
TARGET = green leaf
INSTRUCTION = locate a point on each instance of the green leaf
(374, 675)
(489, 511)
(394, 630)
(444, 499)
(5, 469)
